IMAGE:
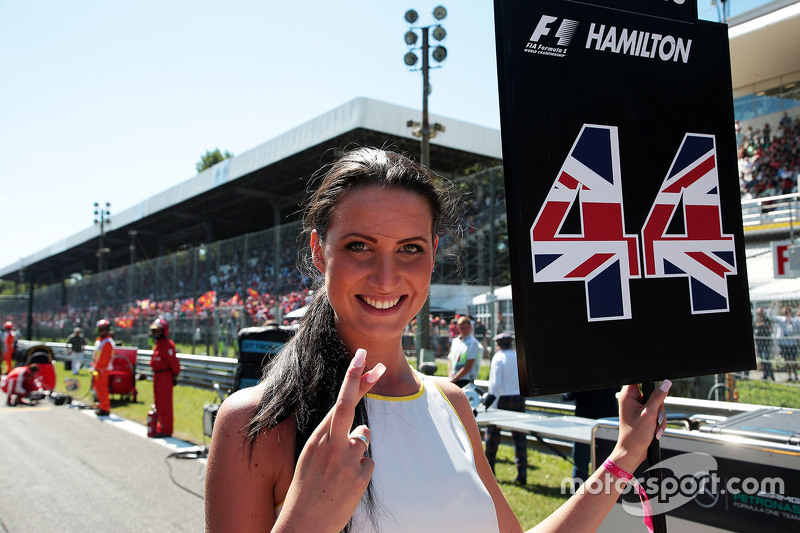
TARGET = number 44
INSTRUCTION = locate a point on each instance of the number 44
(604, 257)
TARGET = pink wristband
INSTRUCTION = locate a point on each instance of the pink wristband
(617, 471)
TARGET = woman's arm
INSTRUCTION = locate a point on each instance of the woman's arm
(639, 423)
(242, 481)
(584, 511)
(319, 494)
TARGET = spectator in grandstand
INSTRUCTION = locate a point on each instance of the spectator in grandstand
(762, 330)
(789, 341)
(75, 344)
(504, 386)
(308, 450)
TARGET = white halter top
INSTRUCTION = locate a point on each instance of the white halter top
(425, 477)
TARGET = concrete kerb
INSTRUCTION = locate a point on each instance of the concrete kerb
(173, 444)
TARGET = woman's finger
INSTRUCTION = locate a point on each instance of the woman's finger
(657, 397)
(359, 439)
(355, 385)
(661, 422)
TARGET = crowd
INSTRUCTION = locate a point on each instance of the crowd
(769, 159)
(777, 338)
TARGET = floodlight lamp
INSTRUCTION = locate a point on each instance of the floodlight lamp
(411, 38)
(439, 12)
(411, 16)
(410, 59)
(439, 53)
(439, 33)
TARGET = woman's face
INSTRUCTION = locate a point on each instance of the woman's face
(377, 259)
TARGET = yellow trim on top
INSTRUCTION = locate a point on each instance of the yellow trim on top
(767, 226)
(399, 398)
(474, 462)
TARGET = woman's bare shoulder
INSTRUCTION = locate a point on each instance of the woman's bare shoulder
(449, 388)
(454, 394)
(247, 477)
(236, 414)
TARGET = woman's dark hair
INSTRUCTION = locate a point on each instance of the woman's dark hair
(305, 377)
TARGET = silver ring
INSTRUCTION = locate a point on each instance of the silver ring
(363, 439)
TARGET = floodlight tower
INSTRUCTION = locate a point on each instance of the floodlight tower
(424, 130)
(101, 214)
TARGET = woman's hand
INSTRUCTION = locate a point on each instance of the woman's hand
(332, 473)
(638, 424)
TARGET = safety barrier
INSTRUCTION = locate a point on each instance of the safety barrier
(196, 370)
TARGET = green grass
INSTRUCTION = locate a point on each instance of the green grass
(483, 372)
(769, 393)
(533, 502)
(187, 403)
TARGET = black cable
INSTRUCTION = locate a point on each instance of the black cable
(551, 447)
(184, 455)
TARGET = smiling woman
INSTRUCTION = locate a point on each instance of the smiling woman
(377, 257)
(342, 434)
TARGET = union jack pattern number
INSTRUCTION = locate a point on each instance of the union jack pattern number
(604, 257)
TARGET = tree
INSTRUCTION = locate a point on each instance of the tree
(211, 158)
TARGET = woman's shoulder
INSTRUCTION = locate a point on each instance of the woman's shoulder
(453, 393)
(247, 477)
(243, 399)
(238, 410)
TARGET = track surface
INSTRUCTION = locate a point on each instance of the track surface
(65, 469)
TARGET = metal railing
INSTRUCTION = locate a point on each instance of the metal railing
(771, 210)
(196, 370)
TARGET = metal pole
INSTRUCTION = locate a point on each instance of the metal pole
(492, 258)
(423, 316)
(100, 249)
(132, 269)
(29, 329)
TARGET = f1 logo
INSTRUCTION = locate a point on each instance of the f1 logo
(564, 32)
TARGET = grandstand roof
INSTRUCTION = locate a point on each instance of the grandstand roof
(764, 43)
(258, 188)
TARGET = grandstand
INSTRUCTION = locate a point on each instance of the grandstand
(218, 251)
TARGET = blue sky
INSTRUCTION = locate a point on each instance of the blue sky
(113, 101)
(116, 101)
